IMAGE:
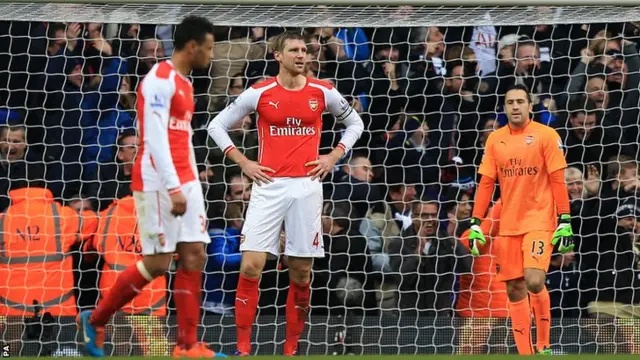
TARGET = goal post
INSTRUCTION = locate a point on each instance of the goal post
(393, 60)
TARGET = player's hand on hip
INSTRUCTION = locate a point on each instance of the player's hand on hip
(563, 234)
(476, 237)
(178, 203)
(323, 166)
(257, 172)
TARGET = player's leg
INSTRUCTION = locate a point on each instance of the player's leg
(537, 250)
(509, 255)
(157, 236)
(259, 239)
(192, 256)
(297, 308)
(303, 223)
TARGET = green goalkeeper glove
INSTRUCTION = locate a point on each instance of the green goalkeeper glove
(563, 234)
(476, 237)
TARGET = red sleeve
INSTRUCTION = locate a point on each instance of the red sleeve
(560, 193)
(483, 196)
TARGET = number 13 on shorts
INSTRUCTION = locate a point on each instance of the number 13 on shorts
(537, 250)
(537, 247)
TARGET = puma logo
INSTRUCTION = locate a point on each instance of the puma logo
(244, 301)
(544, 319)
(274, 104)
(521, 331)
(305, 309)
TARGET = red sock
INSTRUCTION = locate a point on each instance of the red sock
(127, 286)
(246, 307)
(296, 313)
(521, 325)
(541, 307)
(187, 297)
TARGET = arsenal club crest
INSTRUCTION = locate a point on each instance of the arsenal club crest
(313, 104)
(528, 140)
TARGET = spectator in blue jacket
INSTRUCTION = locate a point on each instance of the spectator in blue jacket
(223, 263)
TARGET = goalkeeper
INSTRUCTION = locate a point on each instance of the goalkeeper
(526, 159)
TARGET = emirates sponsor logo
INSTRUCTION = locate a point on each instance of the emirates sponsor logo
(179, 125)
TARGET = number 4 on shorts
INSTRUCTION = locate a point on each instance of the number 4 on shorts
(316, 241)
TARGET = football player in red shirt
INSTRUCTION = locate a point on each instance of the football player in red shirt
(287, 180)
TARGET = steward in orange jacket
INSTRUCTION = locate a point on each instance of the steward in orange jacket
(36, 236)
(117, 241)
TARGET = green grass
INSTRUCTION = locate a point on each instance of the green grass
(416, 357)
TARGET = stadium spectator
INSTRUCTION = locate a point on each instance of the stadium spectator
(230, 57)
(417, 149)
(580, 186)
(353, 183)
(223, 263)
(584, 140)
(341, 279)
(150, 51)
(562, 284)
(609, 276)
(428, 263)
(622, 182)
(457, 207)
(17, 160)
(386, 96)
(421, 77)
(38, 234)
(115, 176)
(245, 137)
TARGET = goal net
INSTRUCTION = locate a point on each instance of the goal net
(429, 83)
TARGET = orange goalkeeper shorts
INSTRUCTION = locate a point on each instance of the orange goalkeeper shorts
(515, 253)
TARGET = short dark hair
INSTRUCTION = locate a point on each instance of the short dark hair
(280, 40)
(192, 28)
(339, 212)
(524, 42)
(125, 133)
(597, 71)
(582, 105)
(519, 87)
(452, 65)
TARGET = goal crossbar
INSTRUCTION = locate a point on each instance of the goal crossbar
(346, 13)
(472, 3)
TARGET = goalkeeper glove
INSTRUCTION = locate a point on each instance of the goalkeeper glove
(476, 237)
(563, 234)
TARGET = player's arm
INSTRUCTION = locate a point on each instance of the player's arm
(555, 163)
(345, 114)
(157, 104)
(228, 118)
(489, 173)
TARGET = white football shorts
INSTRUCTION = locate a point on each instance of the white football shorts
(297, 202)
(160, 231)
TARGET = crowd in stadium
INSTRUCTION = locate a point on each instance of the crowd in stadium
(397, 206)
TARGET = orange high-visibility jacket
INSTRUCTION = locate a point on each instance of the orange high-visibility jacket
(117, 241)
(36, 236)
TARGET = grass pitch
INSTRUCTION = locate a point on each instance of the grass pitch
(402, 357)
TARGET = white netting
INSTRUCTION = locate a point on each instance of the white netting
(429, 96)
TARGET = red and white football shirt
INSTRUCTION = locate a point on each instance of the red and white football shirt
(165, 106)
(289, 123)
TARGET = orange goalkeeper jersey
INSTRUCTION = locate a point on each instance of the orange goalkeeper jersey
(481, 294)
(521, 161)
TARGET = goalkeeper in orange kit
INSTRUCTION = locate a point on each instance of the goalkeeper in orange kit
(526, 159)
